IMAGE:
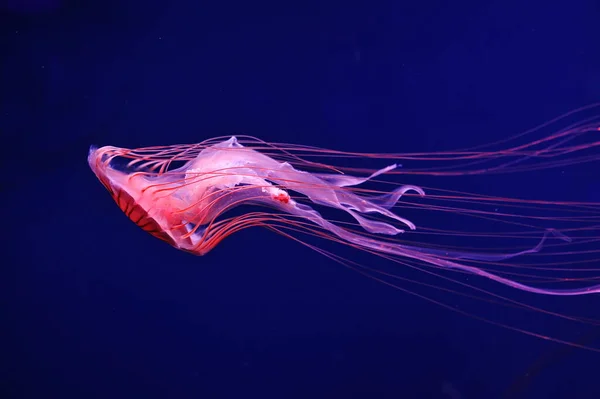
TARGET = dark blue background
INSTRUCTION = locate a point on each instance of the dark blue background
(94, 308)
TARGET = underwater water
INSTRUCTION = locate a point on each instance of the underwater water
(93, 307)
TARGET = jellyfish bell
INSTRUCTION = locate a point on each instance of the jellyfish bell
(128, 191)
(182, 194)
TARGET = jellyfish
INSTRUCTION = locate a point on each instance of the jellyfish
(186, 195)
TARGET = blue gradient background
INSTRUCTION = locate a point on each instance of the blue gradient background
(91, 307)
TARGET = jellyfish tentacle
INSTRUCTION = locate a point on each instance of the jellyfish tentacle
(183, 205)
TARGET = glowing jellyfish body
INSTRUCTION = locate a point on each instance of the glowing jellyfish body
(182, 195)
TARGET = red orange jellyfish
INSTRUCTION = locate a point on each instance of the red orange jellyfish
(182, 194)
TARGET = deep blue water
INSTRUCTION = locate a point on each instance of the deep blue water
(94, 308)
